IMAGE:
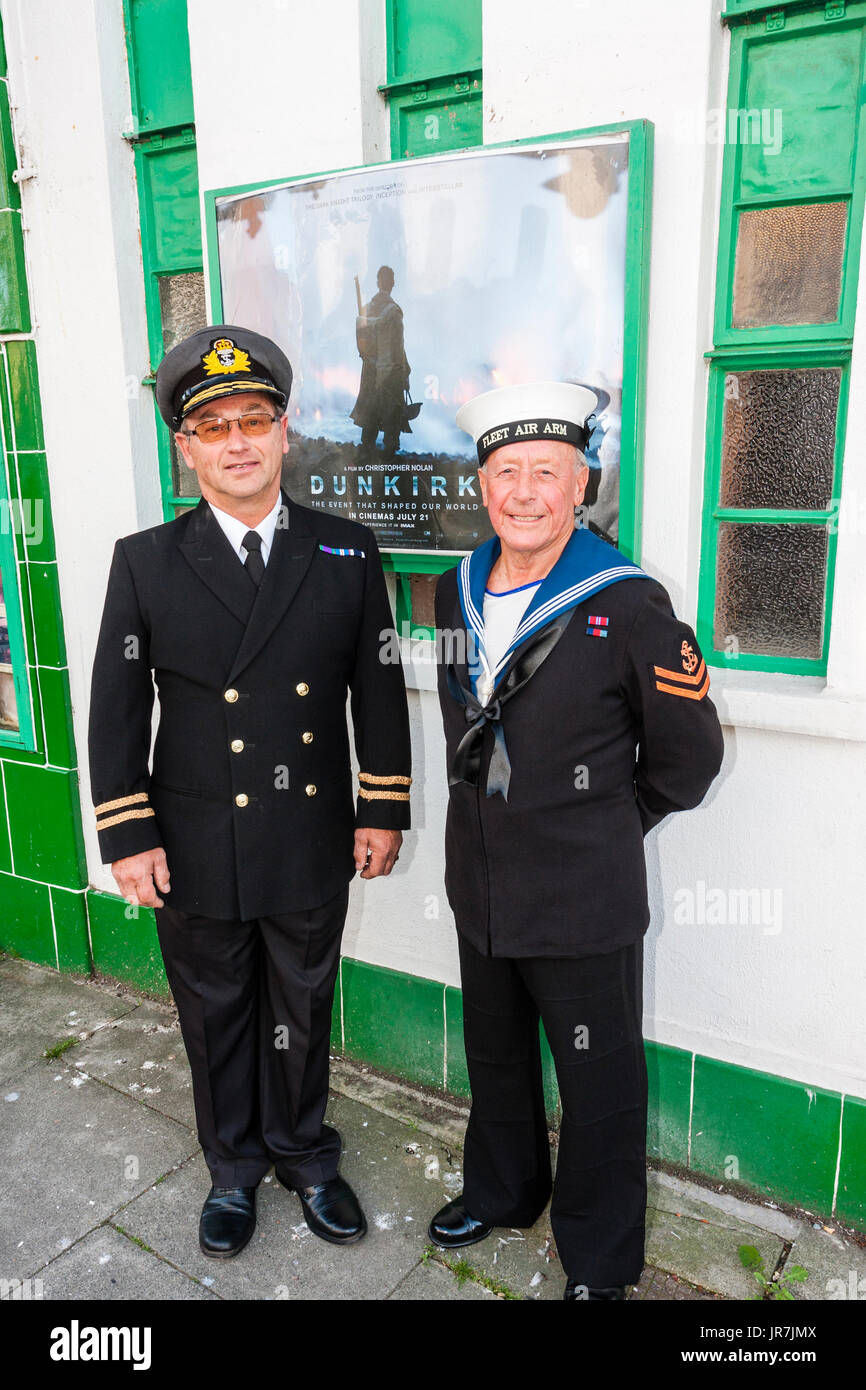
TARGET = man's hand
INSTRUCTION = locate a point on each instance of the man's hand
(383, 849)
(140, 875)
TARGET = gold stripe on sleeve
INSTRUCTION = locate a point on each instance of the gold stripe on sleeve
(383, 781)
(121, 801)
(125, 815)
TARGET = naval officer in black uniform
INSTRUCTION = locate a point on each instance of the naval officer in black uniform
(576, 717)
(256, 617)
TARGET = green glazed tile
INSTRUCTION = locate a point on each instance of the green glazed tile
(14, 308)
(3, 68)
(336, 1043)
(47, 616)
(394, 1021)
(26, 610)
(772, 1133)
(25, 919)
(5, 849)
(125, 943)
(57, 714)
(9, 190)
(456, 1072)
(31, 515)
(24, 387)
(44, 819)
(669, 1077)
(70, 928)
(851, 1193)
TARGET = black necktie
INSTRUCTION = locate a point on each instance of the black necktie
(254, 564)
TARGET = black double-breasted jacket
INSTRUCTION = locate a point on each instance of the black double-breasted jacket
(607, 737)
(250, 788)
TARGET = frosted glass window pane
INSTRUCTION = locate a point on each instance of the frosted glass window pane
(779, 438)
(181, 306)
(789, 265)
(8, 705)
(183, 310)
(423, 590)
(770, 589)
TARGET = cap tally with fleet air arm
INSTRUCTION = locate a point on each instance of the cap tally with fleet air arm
(219, 361)
(532, 410)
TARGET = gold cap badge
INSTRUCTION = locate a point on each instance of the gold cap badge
(225, 358)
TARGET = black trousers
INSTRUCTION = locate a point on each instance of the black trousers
(591, 1008)
(254, 1000)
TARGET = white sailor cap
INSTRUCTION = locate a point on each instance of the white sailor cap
(533, 410)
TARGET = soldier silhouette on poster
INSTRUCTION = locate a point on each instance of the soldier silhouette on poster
(382, 396)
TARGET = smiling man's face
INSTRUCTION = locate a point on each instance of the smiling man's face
(239, 474)
(530, 491)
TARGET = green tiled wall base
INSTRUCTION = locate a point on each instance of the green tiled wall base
(44, 821)
(124, 942)
(45, 924)
(394, 1021)
(851, 1193)
(777, 1136)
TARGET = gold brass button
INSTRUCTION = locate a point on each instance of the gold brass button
(237, 745)
(302, 688)
(307, 737)
(231, 696)
(310, 789)
(242, 799)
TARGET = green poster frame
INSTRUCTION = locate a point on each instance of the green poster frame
(637, 262)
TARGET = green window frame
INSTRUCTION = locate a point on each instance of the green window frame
(163, 141)
(20, 437)
(433, 86)
(820, 162)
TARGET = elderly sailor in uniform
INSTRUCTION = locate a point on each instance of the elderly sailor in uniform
(576, 717)
(256, 616)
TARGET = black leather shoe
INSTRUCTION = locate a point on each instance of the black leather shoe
(331, 1210)
(453, 1226)
(228, 1219)
(574, 1292)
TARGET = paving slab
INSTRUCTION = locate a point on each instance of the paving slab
(142, 1055)
(399, 1186)
(74, 1151)
(657, 1287)
(107, 1265)
(835, 1264)
(40, 1007)
(701, 1247)
(433, 1282)
(666, 1192)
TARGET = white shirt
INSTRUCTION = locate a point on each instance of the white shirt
(235, 530)
(502, 615)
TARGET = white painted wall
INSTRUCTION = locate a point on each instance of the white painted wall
(786, 813)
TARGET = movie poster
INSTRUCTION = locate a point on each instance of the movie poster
(400, 291)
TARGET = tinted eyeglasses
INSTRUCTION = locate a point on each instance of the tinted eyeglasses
(253, 424)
